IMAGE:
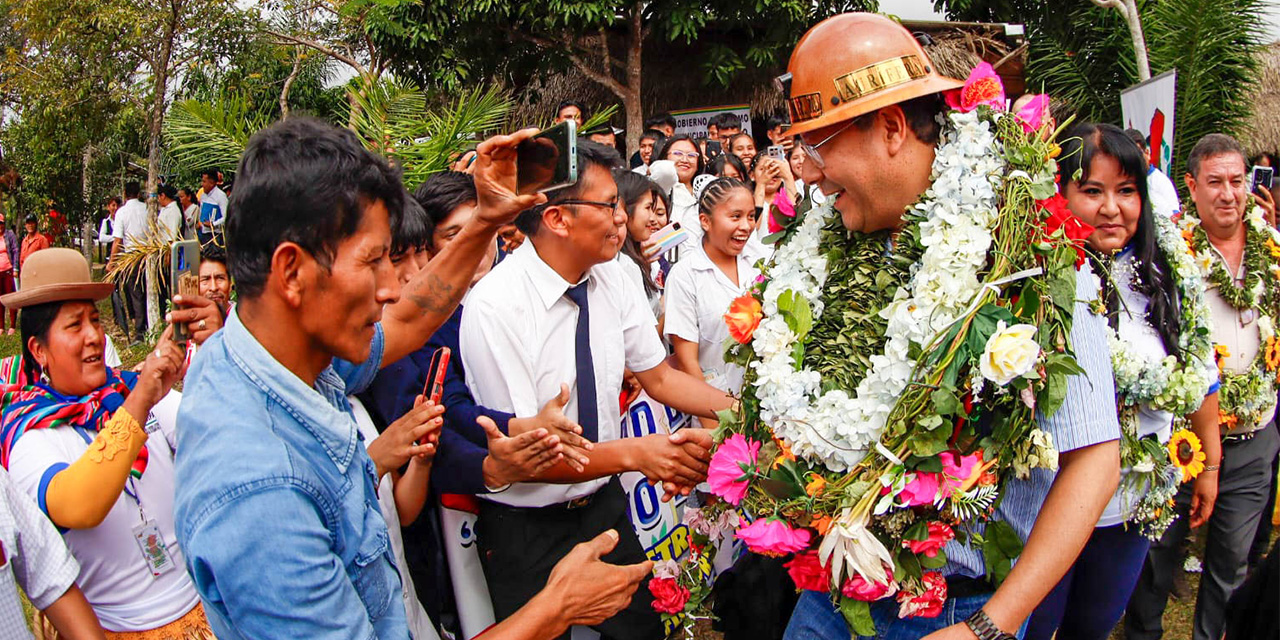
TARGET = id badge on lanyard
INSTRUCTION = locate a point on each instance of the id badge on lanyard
(155, 553)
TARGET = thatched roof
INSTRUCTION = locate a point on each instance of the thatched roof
(673, 75)
(1264, 126)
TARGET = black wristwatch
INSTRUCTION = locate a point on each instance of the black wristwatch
(985, 629)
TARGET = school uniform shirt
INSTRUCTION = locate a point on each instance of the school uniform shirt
(1134, 329)
(213, 209)
(636, 277)
(1238, 331)
(698, 296)
(420, 627)
(170, 220)
(32, 557)
(684, 209)
(1164, 196)
(114, 576)
(105, 234)
(131, 223)
(517, 342)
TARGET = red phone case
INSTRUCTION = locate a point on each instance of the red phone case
(434, 388)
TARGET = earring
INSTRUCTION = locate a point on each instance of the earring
(44, 376)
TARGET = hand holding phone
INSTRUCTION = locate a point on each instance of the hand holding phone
(1261, 177)
(548, 160)
(666, 239)
(776, 151)
(184, 274)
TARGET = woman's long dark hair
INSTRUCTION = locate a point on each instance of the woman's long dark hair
(34, 321)
(631, 187)
(1154, 276)
(669, 142)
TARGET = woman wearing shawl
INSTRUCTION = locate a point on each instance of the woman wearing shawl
(94, 447)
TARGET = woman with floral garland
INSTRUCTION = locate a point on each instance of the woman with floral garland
(706, 281)
(1164, 370)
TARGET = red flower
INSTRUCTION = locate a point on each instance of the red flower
(982, 87)
(939, 535)
(808, 573)
(927, 604)
(1060, 217)
(668, 595)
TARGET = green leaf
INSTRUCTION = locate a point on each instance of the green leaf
(936, 562)
(945, 401)
(918, 531)
(1000, 547)
(858, 614)
(1055, 392)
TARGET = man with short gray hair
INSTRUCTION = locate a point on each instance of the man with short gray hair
(1242, 297)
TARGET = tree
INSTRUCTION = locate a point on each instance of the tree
(1086, 55)
(602, 39)
(1128, 9)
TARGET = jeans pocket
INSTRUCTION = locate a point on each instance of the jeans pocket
(374, 574)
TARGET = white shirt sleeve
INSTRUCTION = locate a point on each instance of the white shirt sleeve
(499, 373)
(34, 460)
(42, 564)
(682, 304)
(117, 232)
(644, 349)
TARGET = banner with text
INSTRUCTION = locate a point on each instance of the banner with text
(693, 122)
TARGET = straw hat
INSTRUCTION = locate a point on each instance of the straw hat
(852, 64)
(56, 275)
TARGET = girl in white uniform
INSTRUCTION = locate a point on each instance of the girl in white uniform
(702, 285)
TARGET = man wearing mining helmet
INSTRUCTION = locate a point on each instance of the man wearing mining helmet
(865, 100)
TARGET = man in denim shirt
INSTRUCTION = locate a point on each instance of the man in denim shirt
(276, 502)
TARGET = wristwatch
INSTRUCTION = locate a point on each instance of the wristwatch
(985, 629)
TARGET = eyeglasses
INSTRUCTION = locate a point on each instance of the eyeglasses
(676, 155)
(594, 203)
(811, 150)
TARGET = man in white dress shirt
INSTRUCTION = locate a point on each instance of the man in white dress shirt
(560, 309)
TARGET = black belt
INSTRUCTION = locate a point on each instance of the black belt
(964, 587)
(569, 505)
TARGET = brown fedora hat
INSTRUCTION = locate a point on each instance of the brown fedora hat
(56, 275)
(852, 64)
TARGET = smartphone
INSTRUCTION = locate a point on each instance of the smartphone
(776, 151)
(434, 388)
(184, 275)
(548, 160)
(669, 237)
(1261, 177)
(714, 149)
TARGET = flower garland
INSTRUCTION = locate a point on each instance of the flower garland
(885, 463)
(1244, 396)
(1176, 385)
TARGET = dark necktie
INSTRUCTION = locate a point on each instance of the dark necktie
(587, 406)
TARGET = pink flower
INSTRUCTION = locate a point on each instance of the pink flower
(939, 535)
(958, 468)
(668, 595)
(865, 590)
(927, 604)
(772, 537)
(920, 491)
(1031, 115)
(982, 87)
(727, 473)
(808, 573)
(781, 206)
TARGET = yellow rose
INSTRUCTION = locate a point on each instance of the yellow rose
(1011, 352)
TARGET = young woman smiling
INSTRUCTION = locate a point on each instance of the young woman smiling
(683, 152)
(1154, 311)
(702, 285)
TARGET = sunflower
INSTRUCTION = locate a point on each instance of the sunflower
(1186, 454)
(1272, 354)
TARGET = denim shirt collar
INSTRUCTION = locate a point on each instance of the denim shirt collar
(321, 410)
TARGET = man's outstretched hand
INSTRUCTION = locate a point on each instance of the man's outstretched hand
(610, 587)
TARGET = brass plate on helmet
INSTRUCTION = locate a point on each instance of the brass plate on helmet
(879, 76)
(806, 107)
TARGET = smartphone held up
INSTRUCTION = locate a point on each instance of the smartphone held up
(548, 160)
(184, 274)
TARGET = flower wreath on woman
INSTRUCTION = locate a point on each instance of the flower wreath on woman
(894, 377)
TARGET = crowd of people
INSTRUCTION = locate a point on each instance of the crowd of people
(291, 488)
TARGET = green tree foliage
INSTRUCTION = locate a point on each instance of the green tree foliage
(512, 41)
(1083, 53)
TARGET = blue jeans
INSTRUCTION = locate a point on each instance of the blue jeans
(1088, 601)
(815, 618)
